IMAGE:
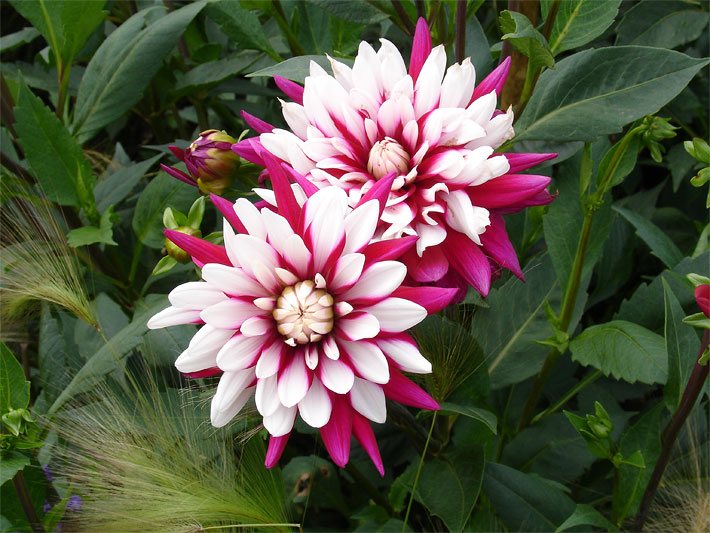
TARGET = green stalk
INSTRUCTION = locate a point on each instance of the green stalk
(588, 379)
(419, 471)
(24, 496)
(280, 16)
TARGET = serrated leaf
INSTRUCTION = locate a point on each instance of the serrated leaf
(519, 31)
(53, 154)
(661, 244)
(14, 388)
(524, 502)
(162, 191)
(682, 346)
(124, 64)
(622, 350)
(595, 93)
(579, 22)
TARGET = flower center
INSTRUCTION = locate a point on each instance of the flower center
(303, 313)
(387, 156)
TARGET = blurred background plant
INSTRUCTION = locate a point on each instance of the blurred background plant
(99, 433)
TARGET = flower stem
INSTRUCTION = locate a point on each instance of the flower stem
(24, 496)
(550, 20)
(460, 31)
(280, 16)
(690, 395)
(407, 24)
(589, 378)
(419, 471)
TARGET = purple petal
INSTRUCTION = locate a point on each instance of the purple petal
(201, 251)
(494, 81)
(421, 48)
(290, 88)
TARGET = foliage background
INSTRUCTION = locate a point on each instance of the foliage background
(92, 94)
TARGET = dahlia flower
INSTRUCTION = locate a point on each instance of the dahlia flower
(300, 310)
(210, 162)
(430, 126)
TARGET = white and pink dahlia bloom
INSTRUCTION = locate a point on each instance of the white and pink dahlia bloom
(432, 133)
(301, 311)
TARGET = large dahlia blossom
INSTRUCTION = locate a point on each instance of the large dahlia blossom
(435, 130)
(300, 310)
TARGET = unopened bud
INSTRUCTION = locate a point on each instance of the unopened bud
(387, 156)
(174, 251)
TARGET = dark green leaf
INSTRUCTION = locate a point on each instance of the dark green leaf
(24, 36)
(211, 73)
(296, 68)
(663, 24)
(579, 22)
(661, 244)
(93, 235)
(162, 191)
(518, 29)
(117, 186)
(525, 502)
(623, 350)
(52, 153)
(682, 345)
(586, 515)
(124, 64)
(11, 464)
(14, 388)
(594, 92)
(358, 12)
(240, 25)
(482, 415)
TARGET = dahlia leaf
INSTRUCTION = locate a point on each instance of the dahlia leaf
(10, 464)
(682, 346)
(18, 38)
(53, 154)
(296, 68)
(661, 24)
(525, 502)
(242, 26)
(595, 92)
(115, 187)
(662, 246)
(586, 515)
(579, 22)
(93, 235)
(518, 29)
(623, 350)
(476, 413)
(148, 216)
(14, 388)
(124, 64)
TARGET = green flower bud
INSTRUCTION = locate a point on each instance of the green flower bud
(177, 253)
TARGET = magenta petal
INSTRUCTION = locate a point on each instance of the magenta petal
(285, 200)
(227, 209)
(389, 249)
(258, 125)
(494, 81)
(432, 266)
(380, 191)
(308, 186)
(421, 48)
(467, 258)
(511, 192)
(520, 162)
(207, 373)
(178, 174)
(275, 449)
(366, 437)
(177, 152)
(201, 251)
(405, 391)
(247, 149)
(433, 299)
(336, 433)
(290, 88)
(498, 247)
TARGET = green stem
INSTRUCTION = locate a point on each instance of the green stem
(550, 20)
(588, 379)
(528, 86)
(419, 471)
(24, 496)
(137, 249)
(280, 16)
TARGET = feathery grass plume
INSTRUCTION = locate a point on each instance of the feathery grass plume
(36, 263)
(143, 459)
(682, 502)
(453, 352)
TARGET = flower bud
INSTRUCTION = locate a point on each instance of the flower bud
(387, 156)
(656, 130)
(174, 251)
(210, 162)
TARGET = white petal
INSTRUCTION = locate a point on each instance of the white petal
(324, 214)
(239, 353)
(173, 316)
(368, 360)
(462, 216)
(256, 257)
(232, 281)
(297, 255)
(360, 226)
(377, 281)
(336, 375)
(357, 326)
(230, 313)
(428, 84)
(280, 422)
(405, 354)
(347, 271)
(293, 381)
(267, 397)
(231, 395)
(201, 353)
(250, 217)
(429, 235)
(256, 325)
(397, 314)
(315, 407)
(269, 360)
(458, 84)
(368, 399)
(195, 295)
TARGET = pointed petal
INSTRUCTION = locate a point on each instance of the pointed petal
(402, 349)
(494, 81)
(336, 433)
(358, 325)
(201, 251)
(421, 48)
(380, 191)
(511, 192)
(365, 436)
(405, 391)
(369, 400)
(315, 408)
(258, 125)
(232, 281)
(294, 380)
(290, 88)
(396, 314)
(174, 316)
(270, 359)
(498, 247)
(468, 260)
(266, 397)
(519, 162)
(368, 360)
(433, 299)
(280, 422)
(195, 295)
(229, 313)
(376, 282)
(276, 448)
(178, 174)
(389, 249)
(227, 209)
(360, 226)
(336, 375)
(239, 352)
(231, 395)
(285, 199)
